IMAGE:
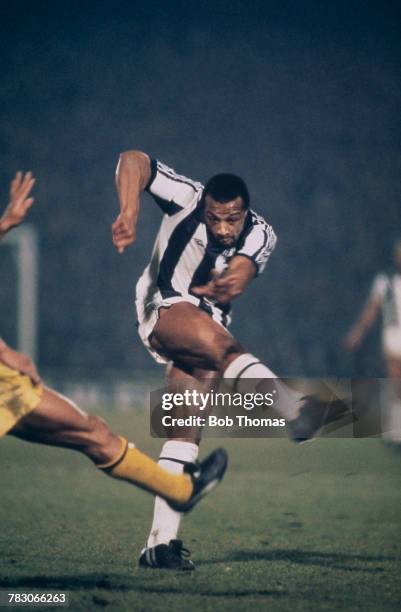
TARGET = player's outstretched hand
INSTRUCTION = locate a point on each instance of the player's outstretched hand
(20, 362)
(20, 202)
(228, 284)
(223, 287)
(123, 231)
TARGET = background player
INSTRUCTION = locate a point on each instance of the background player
(32, 411)
(209, 247)
(385, 297)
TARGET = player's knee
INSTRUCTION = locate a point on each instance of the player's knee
(221, 347)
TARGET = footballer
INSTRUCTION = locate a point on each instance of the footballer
(210, 246)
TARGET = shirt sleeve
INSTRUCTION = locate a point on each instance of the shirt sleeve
(172, 191)
(380, 287)
(259, 243)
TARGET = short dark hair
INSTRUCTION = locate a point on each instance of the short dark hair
(226, 187)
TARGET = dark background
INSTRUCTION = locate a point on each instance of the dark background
(300, 98)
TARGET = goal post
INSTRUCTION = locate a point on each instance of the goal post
(23, 241)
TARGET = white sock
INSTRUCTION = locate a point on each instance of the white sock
(166, 521)
(246, 367)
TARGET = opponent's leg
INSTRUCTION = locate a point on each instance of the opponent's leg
(59, 422)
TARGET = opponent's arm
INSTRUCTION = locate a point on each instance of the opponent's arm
(363, 324)
(132, 175)
(15, 213)
(234, 280)
(18, 361)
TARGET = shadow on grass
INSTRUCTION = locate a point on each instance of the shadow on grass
(117, 583)
(325, 560)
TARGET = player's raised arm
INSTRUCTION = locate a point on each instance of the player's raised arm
(20, 202)
(364, 322)
(132, 175)
(369, 313)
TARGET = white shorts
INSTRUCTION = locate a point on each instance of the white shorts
(392, 342)
(148, 316)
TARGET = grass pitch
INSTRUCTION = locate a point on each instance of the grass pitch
(315, 527)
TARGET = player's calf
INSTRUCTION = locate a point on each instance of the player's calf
(99, 443)
(57, 421)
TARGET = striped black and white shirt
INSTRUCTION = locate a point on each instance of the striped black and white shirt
(185, 253)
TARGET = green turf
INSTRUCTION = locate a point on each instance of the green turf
(315, 527)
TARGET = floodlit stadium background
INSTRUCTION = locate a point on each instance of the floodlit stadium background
(303, 101)
(300, 98)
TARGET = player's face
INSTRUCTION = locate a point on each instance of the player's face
(225, 221)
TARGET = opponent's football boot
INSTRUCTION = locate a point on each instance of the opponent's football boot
(205, 476)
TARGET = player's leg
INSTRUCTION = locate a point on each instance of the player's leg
(306, 413)
(163, 550)
(186, 334)
(392, 408)
(59, 422)
(393, 368)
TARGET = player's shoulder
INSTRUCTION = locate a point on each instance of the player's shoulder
(172, 191)
(257, 219)
(159, 167)
(259, 224)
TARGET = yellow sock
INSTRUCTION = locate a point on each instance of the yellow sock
(136, 467)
